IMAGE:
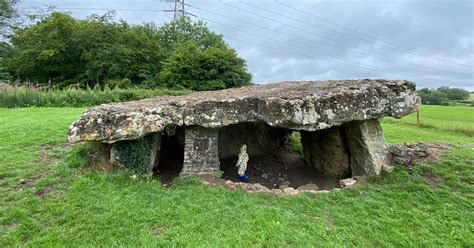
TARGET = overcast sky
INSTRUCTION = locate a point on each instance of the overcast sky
(429, 41)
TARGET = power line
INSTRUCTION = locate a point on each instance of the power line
(109, 9)
(166, 13)
(359, 65)
(317, 58)
(366, 67)
(274, 40)
(328, 38)
(390, 44)
(276, 31)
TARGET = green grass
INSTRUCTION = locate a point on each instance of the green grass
(437, 123)
(90, 208)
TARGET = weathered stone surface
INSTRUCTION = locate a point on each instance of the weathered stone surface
(325, 150)
(348, 182)
(200, 151)
(367, 148)
(308, 187)
(411, 153)
(306, 106)
(155, 151)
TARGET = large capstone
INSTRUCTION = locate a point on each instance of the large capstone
(306, 105)
(338, 121)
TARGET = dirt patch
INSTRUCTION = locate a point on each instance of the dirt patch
(48, 192)
(43, 193)
(432, 179)
(329, 221)
(283, 169)
(282, 173)
(159, 231)
(45, 150)
(30, 182)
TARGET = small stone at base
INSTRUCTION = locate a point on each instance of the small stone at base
(347, 182)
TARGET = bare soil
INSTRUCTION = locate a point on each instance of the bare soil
(281, 168)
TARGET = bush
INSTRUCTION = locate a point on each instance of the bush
(119, 84)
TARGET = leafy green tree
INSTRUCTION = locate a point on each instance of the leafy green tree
(5, 54)
(437, 97)
(99, 51)
(215, 68)
(8, 17)
(457, 94)
(46, 50)
(424, 90)
(183, 30)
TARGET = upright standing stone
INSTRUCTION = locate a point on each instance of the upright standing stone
(155, 151)
(200, 151)
(365, 140)
(325, 150)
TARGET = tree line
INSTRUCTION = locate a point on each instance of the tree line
(442, 95)
(101, 51)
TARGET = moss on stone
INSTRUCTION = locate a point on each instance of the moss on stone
(135, 154)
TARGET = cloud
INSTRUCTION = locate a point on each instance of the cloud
(434, 29)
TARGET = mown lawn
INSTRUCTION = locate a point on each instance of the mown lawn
(45, 201)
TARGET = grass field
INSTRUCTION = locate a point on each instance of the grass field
(46, 201)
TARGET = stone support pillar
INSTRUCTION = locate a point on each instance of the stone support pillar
(369, 154)
(200, 151)
(155, 151)
(325, 150)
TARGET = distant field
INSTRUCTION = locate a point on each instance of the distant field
(49, 199)
(438, 123)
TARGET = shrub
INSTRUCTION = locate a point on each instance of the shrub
(119, 84)
(77, 98)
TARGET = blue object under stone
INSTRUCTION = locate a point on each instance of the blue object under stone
(244, 178)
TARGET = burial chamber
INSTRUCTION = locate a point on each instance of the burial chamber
(338, 122)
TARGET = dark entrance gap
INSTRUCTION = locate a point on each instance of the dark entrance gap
(171, 156)
(282, 166)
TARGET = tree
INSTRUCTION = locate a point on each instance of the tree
(457, 94)
(183, 30)
(437, 97)
(212, 69)
(99, 50)
(5, 54)
(424, 90)
(46, 50)
(8, 17)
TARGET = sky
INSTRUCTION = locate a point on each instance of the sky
(429, 42)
